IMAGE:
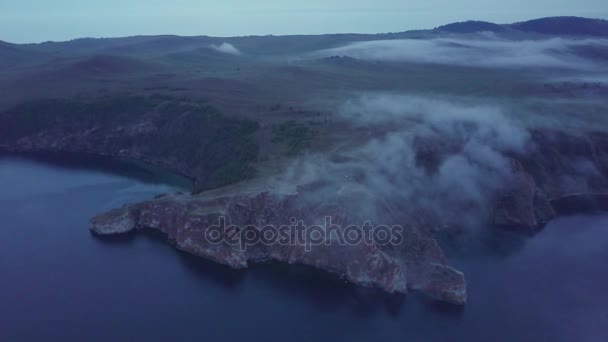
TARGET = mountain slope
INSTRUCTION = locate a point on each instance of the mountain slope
(574, 26)
(471, 26)
(568, 26)
(13, 55)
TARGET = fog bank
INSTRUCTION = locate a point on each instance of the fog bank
(438, 161)
(483, 52)
(226, 48)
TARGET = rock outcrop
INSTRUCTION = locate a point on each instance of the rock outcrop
(558, 173)
(416, 263)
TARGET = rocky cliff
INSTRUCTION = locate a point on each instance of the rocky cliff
(417, 262)
(557, 167)
(556, 173)
(554, 168)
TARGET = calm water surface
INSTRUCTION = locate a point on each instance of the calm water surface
(57, 281)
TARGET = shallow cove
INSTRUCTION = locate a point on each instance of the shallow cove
(60, 282)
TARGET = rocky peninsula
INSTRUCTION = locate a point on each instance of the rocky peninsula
(557, 173)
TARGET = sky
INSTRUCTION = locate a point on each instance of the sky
(25, 21)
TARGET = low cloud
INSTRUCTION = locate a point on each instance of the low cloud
(437, 161)
(226, 48)
(453, 119)
(597, 78)
(488, 52)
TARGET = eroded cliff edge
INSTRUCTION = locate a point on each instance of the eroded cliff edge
(562, 174)
(557, 172)
(417, 263)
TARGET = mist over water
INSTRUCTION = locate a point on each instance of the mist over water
(60, 282)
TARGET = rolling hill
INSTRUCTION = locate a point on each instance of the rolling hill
(572, 26)
(563, 26)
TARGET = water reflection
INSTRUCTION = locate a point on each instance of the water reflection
(72, 285)
(140, 172)
(326, 291)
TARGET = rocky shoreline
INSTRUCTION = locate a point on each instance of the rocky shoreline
(184, 219)
(558, 173)
(531, 200)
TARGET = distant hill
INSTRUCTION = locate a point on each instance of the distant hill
(13, 54)
(565, 26)
(471, 26)
(197, 49)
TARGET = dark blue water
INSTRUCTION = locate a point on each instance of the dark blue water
(58, 282)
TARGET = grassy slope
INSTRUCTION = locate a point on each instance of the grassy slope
(271, 84)
(215, 149)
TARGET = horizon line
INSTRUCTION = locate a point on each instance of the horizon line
(285, 35)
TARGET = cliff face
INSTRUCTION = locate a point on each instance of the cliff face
(557, 173)
(554, 168)
(416, 262)
(557, 166)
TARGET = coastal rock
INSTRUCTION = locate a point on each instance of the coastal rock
(557, 173)
(522, 205)
(116, 221)
(417, 263)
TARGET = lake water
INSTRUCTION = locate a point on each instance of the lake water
(59, 282)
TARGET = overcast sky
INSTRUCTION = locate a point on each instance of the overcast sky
(41, 20)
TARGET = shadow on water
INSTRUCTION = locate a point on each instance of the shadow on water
(330, 293)
(500, 242)
(324, 290)
(127, 239)
(576, 204)
(138, 171)
(203, 268)
(442, 308)
(489, 242)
